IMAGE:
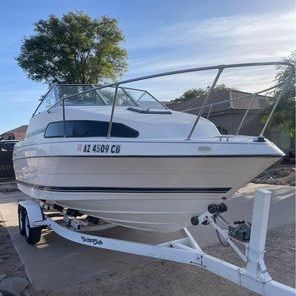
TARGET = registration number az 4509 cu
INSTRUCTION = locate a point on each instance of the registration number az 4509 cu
(99, 148)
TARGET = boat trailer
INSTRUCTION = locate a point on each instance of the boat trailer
(254, 276)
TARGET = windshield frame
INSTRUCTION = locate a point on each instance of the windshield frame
(55, 88)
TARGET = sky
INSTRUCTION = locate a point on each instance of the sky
(160, 36)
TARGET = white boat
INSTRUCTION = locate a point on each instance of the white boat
(118, 154)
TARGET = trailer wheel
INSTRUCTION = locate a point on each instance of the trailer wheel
(33, 234)
(21, 220)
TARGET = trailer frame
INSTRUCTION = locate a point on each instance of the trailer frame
(254, 276)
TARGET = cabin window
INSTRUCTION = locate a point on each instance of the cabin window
(222, 130)
(87, 128)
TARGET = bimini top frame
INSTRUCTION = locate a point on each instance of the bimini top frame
(219, 68)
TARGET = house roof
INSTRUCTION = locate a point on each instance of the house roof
(19, 132)
(221, 100)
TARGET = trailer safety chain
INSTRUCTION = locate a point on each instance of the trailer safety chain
(223, 243)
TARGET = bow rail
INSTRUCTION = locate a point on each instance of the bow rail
(220, 68)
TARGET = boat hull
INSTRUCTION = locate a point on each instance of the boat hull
(148, 193)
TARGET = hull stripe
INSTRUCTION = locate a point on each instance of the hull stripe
(157, 156)
(126, 189)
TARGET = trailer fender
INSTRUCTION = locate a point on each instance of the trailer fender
(34, 212)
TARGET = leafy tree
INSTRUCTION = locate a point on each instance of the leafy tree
(191, 94)
(284, 115)
(221, 87)
(195, 93)
(73, 49)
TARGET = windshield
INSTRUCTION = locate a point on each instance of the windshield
(95, 95)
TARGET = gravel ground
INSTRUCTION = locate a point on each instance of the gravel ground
(278, 174)
(11, 267)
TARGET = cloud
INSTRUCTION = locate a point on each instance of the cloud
(234, 30)
(234, 39)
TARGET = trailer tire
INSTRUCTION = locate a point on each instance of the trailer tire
(21, 219)
(33, 234)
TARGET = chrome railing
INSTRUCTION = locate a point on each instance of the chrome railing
(253, 96)
(219, 68)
